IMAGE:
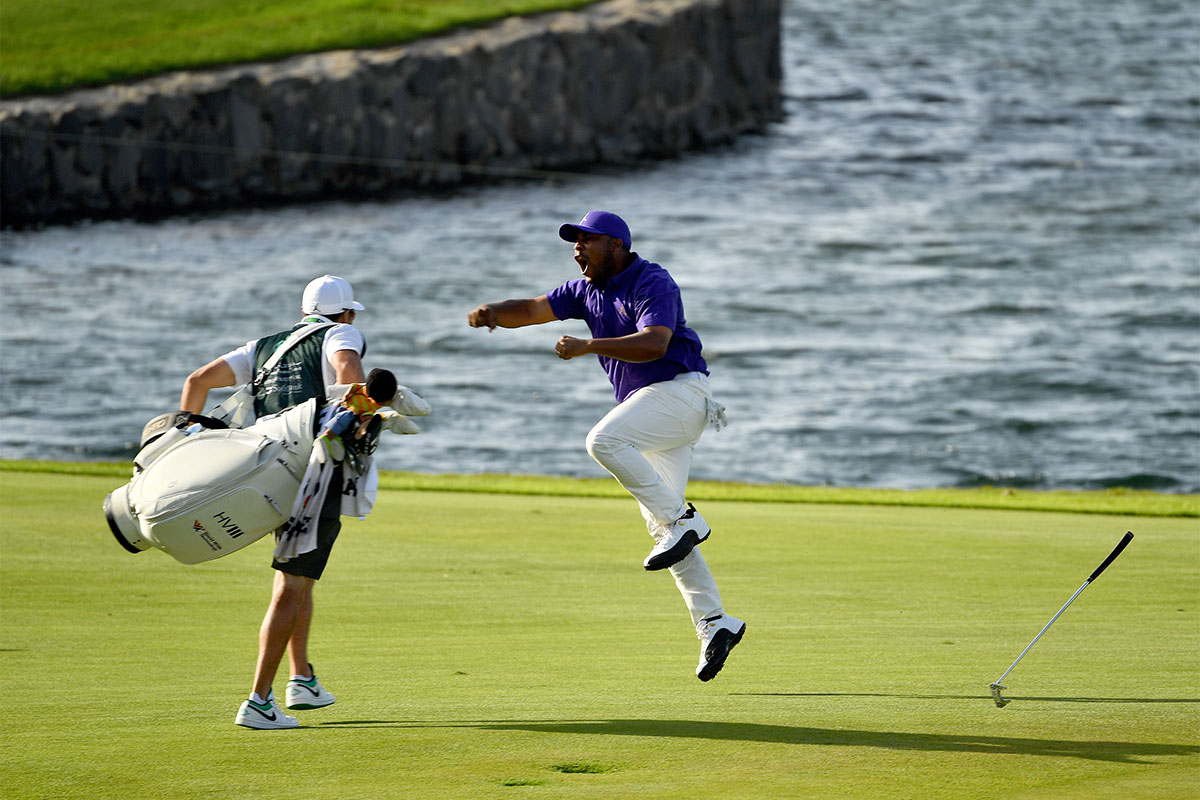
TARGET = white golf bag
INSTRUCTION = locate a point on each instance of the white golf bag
(203, 495)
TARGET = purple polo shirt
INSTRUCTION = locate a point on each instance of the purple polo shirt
(641, 295)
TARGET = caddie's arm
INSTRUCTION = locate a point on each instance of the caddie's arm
(512, 313)
(213, 375)
(648, 344)
(347, 366)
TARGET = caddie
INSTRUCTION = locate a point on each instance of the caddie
(330, 354)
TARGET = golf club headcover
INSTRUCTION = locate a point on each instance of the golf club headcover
(381, 386)
(395, 422)
(404, 399)
(359, 401)
(409, 403)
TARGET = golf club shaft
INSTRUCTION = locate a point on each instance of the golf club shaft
(1121, 545)
(1043, 630)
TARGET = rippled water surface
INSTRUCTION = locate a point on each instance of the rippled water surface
(967, 256)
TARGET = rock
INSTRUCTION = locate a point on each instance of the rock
(610, 82)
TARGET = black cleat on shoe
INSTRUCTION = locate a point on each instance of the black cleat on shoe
(717, 639)
(679, 539)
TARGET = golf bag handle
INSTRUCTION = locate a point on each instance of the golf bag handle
(1111, 556)
(211, 423)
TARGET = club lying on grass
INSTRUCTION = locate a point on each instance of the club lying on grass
(999, 686)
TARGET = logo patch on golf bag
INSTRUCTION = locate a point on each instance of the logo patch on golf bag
(228, 525)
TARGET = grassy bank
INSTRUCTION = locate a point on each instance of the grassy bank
(62, 44)
(1110, 501)
(509, 646)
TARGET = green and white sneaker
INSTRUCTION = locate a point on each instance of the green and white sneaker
(305, 693)
(263, 716)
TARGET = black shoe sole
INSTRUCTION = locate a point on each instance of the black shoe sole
(677, 553)
(718, 650)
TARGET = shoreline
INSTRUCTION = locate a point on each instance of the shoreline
(613, 83)
(1115, 501)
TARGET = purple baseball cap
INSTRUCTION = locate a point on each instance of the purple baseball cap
(602, 222)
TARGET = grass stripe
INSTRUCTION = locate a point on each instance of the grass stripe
(492, 646)
(1128, 502)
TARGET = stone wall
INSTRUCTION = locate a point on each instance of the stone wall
(610, 83)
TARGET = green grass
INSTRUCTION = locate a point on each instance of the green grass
(1109, 501)
(53, 45)
(510, 646)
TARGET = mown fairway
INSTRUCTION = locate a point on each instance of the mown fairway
(499, 646)
(52, 45)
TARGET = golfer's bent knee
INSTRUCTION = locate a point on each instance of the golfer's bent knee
(603, 446)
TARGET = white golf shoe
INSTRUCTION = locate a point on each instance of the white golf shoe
(263, 716)
(678, 540)
(304, 693)
(717, 635)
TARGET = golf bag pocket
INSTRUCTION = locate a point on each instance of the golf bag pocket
(221, 525)
(209, 495)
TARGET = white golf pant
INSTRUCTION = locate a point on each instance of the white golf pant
(646, 442)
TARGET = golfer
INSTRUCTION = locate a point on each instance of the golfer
(330, 356)
(652, 358)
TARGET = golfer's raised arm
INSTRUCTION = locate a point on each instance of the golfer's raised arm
(512, 313)
(648, 344)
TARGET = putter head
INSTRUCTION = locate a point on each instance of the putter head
(1001, 700)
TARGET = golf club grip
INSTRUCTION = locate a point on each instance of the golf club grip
(1111, 556)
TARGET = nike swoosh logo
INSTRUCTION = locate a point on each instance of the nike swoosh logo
(311, 689)
(270, 716)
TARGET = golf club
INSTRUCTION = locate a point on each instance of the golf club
(999, 686)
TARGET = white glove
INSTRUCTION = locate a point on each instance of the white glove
(409, 403)
(406, 401)
(716, 415)
(396, 422)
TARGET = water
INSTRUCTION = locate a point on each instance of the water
(968, 256)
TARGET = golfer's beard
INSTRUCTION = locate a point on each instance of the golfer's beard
(601, 272)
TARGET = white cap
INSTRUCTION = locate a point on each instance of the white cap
(329, 296)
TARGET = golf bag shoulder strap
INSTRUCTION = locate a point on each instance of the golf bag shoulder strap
(297, 336)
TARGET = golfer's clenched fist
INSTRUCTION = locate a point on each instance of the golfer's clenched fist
(483, 317)
(569, 347)
(518, 313)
